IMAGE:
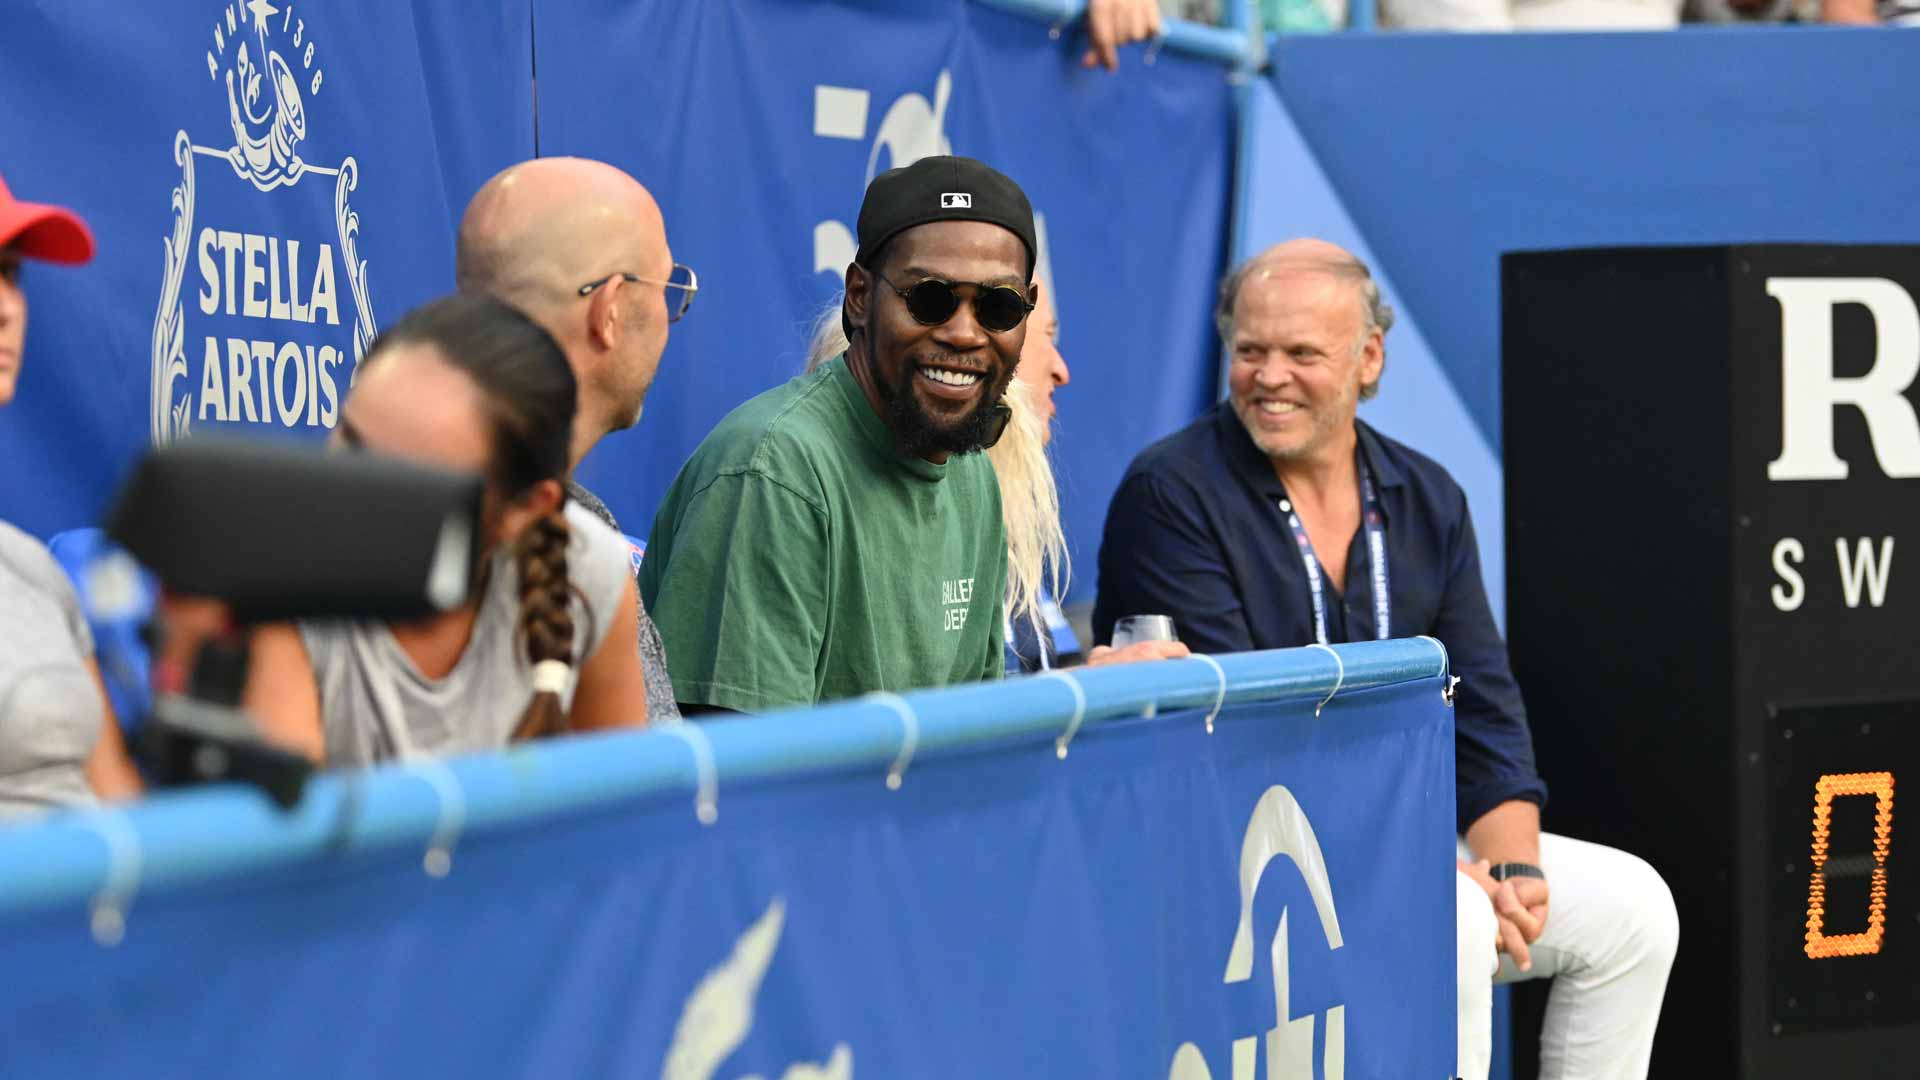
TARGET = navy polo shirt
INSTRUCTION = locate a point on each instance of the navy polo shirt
(1196, 532)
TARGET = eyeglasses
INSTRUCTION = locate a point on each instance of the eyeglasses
(682, 278)
(932, 302)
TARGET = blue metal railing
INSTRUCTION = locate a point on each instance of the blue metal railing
(178, 838)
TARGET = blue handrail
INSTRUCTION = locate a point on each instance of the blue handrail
(183, 837)
(1231, 45)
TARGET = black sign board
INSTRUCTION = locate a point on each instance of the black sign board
(1711, 456)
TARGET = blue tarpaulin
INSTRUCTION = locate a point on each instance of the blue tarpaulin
(1152, 903)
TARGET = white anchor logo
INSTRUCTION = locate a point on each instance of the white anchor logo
(1278, 827)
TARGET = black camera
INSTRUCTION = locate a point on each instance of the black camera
(278, 532)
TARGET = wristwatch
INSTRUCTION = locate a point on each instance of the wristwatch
(1507, 870)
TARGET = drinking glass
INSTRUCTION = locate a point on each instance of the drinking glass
(1136, 628)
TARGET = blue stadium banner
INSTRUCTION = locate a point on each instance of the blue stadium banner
(269, 181)
(1273, 899)
(758, 123)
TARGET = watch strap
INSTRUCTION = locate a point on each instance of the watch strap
(1508, 870)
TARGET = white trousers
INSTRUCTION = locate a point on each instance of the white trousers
(1609, 942)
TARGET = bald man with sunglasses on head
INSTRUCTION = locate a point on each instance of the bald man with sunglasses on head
(841, 534)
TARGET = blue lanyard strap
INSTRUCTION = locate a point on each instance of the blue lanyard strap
(1374, 526)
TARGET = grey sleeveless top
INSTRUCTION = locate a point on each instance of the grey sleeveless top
(661, 708)
(50, 712)
(375, 705)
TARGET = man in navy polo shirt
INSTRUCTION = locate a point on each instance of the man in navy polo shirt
(1278, 519)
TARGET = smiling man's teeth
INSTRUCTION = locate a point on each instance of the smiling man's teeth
(950, 378)
(1278, 408)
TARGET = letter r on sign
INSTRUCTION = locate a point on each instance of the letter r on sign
(1809, 390)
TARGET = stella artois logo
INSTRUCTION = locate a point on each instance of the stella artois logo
(278, 313)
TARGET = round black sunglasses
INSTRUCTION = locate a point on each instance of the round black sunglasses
(932, 302)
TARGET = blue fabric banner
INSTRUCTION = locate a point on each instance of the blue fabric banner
(757, 124)
(1159, 902)
(268, 183)
(1446, 153)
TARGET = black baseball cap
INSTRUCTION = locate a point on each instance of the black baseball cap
(942, 189)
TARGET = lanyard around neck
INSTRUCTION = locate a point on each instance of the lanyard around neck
(1374, 525)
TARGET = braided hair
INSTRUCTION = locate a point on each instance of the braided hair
(528, 394)
(546, 621)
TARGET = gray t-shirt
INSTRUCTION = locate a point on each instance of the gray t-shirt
(50, 714)
(661, 707)
(375, 705)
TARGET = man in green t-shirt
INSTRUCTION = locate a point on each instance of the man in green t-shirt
(841, 534)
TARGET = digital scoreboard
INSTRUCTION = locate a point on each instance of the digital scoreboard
(1712, 464)
(1843, 915)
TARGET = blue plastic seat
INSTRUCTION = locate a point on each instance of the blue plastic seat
(118, 596)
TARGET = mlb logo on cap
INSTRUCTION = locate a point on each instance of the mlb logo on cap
(941, 189)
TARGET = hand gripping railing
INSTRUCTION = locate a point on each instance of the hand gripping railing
(1232, 44)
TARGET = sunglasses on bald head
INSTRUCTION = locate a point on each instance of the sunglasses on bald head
(932, 302)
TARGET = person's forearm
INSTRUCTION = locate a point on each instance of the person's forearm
(1510, 832)
(1855, 12)
(110, 770)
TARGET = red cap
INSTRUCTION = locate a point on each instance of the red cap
(38, 231)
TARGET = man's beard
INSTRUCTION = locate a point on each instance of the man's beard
(920, 434)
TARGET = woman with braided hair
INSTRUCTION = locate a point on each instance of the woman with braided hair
(540, 647)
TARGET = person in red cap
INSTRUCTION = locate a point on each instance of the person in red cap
(59, 742)
(30, 231)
